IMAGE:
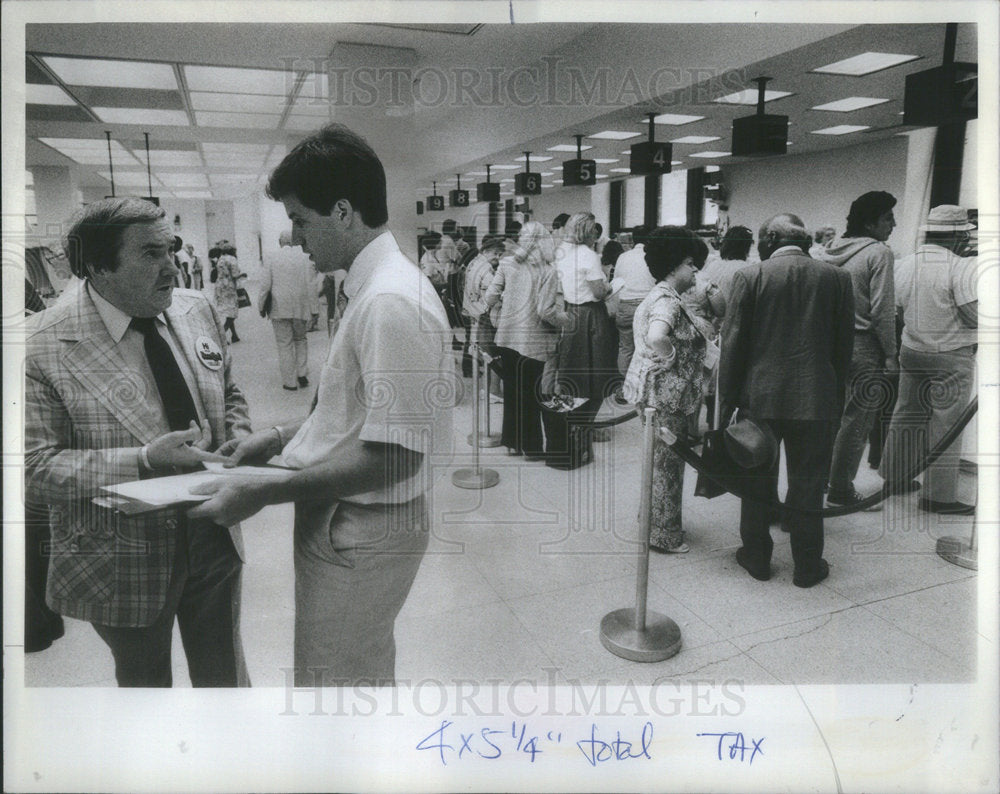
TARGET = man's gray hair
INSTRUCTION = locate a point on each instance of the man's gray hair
(786, 229)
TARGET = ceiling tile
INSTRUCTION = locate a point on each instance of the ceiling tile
(237, 103)
(749, 97)
(231, 179)
(182, 180)
(216, 147)
(238, 80)
(56, 113)
(36, 94)
(840, 129)
(304, 122)
(129, 178)
(256, 121)
(177, 118)
(193, 194)
(114, 74)
(129, 98)
(159, 158)
(33, 73)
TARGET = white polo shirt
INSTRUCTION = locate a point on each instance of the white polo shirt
(390, 375)
(931, 284)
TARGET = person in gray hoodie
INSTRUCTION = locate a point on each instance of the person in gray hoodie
(862, 252)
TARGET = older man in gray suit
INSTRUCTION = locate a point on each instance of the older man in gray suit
(787, 342)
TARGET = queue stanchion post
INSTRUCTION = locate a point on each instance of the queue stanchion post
(487, 439)
(960, 552)
(477, 477)
(636, 633)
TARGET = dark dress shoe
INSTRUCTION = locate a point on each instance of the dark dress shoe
(947, 508)
(290, 388)
(813, 577)
(759, 571)
(303, 381)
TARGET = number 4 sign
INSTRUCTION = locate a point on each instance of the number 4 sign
(650, 158)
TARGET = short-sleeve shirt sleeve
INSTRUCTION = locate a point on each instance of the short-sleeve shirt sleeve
(403, 375)
(665, 309)
(963, 280)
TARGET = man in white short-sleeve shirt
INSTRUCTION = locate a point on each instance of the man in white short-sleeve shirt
(383, 406)
(936, 292)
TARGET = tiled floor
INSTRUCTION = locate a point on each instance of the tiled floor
(518, 577)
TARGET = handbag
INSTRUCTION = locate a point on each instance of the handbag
(242, 298)
(731, 453)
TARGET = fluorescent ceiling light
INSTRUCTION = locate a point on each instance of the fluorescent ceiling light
(231, 179)
(309, 105)
(709, 154)
(239, 81)
(545, 184)
(675, 118)
(602, 176)
(505, 181)
(696, 139)
(537, 158)
(38, 94)
(675, 162)
(850, 103)
(621, 170)
(545, 173)
(303, 123)
(614, 135)
(171, 158)
(236, 148)
(129, 178)
(149, 116)
(237, 103)
(840, 129)
(866, 63)
(605, 160)
(749, 97)
(256, 121)
(711, 169)
(505, 167)
(476, 173)
(568, 147)
(182, 180)
(113, 74)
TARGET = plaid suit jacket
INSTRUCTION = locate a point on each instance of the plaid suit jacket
(86, 416)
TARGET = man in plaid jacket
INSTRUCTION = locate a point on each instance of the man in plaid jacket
(101, 409)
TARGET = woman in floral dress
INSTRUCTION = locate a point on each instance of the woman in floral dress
(666, 373)
(226, 283)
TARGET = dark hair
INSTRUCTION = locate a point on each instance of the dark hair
(736, 243)
(331, 164)
(699, 249)
(665, 248)
(867, 209)
(214, 252)
(432, 240)
(178, 243)
(599, 229)
(228, 249)
(450, 227)
(95, 232)
(512, 230)
(560, 220)
(612, 250)
(491, 241)
(640, 233)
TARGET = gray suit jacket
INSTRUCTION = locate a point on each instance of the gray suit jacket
(787, 339)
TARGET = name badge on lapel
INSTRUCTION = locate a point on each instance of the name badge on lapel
(208, 353)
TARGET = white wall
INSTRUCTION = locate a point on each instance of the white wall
(246, 221)
(193, 228)
(819, 187)
(57, 198)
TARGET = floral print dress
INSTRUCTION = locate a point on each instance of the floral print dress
(225, 286)
(674, 391)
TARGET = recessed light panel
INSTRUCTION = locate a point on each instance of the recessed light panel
(130, 178)
(866, 63)
(851, 103)
(505, 167)
(239, 81)
(568, 147)
(182, 180)
(749, 97)
(675, 119)
(160, 158)
(605, 160)
(237, 103)
(620, 170)
(614, 135)
(696, 139)
(256, 121)
(840, 129)
(709, 154)
(535, 158)
(113, 74)
(177, 118)
(46, 95)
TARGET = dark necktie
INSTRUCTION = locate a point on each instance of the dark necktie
(170, 383)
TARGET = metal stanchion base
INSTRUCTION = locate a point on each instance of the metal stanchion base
(485, 440)
(957, 552)
(475, 480)
(660, 640)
